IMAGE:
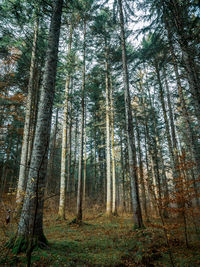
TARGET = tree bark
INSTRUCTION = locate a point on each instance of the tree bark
(31, 219)
(27, 124)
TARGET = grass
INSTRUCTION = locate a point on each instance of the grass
(104, 241)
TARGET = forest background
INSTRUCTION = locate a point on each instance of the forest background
(99, 132)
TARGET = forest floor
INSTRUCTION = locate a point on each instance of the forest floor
(103, 241)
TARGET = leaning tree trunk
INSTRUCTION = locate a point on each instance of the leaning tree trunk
(173, 153)
(79, 216)
(137, 214)
(31, 220)
(190, 136)
(26, 136)
(189, 53)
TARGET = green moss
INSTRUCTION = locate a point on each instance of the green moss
(19, 243)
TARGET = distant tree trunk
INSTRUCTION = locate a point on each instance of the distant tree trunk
(151, 190)
(153, 149)
(27, 124)
(69, 150)
(75, 156)
(31, 219)
(123, 174)
(5, 167)
(80, 168)
(50, 183)
(180, 19)
(189, 133)
(141, 171)
(85, 164)
(137, 214)
(114, 187)
(34, 111)
(108, 165)
(172, 151)
(63, 182)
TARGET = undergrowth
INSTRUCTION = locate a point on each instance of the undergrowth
(103, 241)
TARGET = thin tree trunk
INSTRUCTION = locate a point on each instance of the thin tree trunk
(137, 214)
(191, 138)
(123, 174)
(108, 165)
(27, 123)
(63, 182)
(114, 184)
(50, 183)
(80, 169)
(69, 149)
(141, 171)
(74, 163)
(85, 165)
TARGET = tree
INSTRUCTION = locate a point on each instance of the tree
(61, 212)
(27, 124)
(137, 215)
(30, 227)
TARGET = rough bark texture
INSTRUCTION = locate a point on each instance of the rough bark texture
(27, 124)
(31, 220)
(137, 215)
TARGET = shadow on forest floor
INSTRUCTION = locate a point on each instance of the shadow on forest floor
(105, 242)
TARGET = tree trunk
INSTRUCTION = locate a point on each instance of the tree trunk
(74, 163)
(108, 165)
(191, 138)
(80, 168)
(26, 135)
(63, 182)
(85, 164)
(31, 220)
(137, 214)
(69, 150)
(123, 174)
(114, 184)
(141, 171)
(173, 153)
(180, 18)
(50, 183)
